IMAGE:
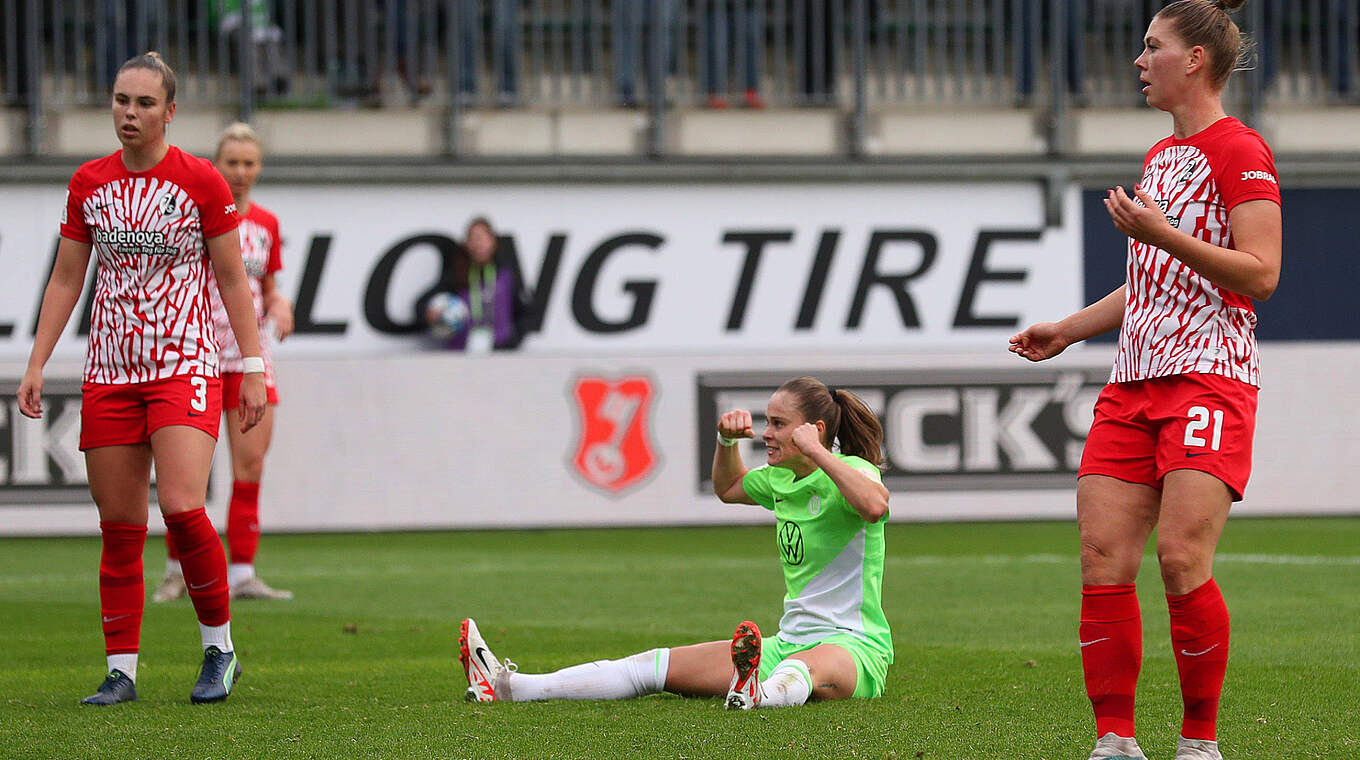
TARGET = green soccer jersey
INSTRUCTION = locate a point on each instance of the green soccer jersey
(833, 559)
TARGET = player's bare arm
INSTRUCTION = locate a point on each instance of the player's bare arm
(728, 469)
(1251, 267)
(1046, 340)
(866, 496)
(225, 253)
(59, 300)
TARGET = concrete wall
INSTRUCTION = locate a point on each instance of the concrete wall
(402, 133)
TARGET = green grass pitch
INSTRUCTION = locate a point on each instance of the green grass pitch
(363, 664)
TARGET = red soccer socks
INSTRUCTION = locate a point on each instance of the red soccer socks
(243, 522)
(1111, 638)
(204, 564)
(1199, 636)
(122, 590)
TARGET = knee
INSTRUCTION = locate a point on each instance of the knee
(1181, 563)
(174, 498)
(1103, 562)
(249, 469)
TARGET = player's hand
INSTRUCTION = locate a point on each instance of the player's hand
(30, 394)
(807, 438)
(1146, 223)
(280, 312)
(1044, 340)
(253, 400)
(736, 424)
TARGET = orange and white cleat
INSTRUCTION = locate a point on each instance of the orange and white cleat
(744, 693)
(479, 663)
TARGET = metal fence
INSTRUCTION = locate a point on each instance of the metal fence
(854, 55)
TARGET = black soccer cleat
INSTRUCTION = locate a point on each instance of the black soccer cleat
(117, 687)
(220, 672)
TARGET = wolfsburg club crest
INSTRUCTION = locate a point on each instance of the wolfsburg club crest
(614, 451)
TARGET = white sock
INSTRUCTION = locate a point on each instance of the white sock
(635, 676)
(216, 636)
(172, 567)
(789, 685)
(239, 572)
(124, 662)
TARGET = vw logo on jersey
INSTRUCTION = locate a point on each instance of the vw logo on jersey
(814, 504)
(791, 543)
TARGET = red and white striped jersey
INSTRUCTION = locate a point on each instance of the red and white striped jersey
(1175, 321)
(261, 251)
(151, 317)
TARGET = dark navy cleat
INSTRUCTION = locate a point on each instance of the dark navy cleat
(117, 687)
(220, 672)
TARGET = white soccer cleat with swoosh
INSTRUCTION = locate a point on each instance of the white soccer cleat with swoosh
(482, 668)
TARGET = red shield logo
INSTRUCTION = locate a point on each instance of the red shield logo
(614, 451)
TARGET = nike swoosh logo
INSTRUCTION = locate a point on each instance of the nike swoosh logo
(481, 657)
(1196, 454)
(1085, 644)
(203, 586)
(1197, 654)
(115, 617)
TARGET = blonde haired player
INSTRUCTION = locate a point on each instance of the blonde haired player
(161, 223)
(240, 158)
(1170, 446)
(833, 640)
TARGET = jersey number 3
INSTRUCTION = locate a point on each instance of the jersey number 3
(1199, 420)
(199, 403)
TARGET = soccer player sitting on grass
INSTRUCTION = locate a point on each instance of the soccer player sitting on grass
(833, 641)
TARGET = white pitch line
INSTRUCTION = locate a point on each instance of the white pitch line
(1287, 559)
(1301, 560)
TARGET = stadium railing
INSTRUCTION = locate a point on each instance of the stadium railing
(856, 58)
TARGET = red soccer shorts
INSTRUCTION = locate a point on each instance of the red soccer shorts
(1147, 428)
(118, 415)
(231, 389)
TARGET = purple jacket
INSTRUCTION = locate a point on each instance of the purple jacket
(501, 297)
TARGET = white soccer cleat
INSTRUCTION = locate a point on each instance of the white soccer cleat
(1114, 747)
(1197, 749)
(172, 587)
(744, 693)
(479, 663)
(254, 588)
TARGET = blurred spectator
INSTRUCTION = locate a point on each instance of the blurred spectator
(504, 23)
(646, 25)
(117, 37)
(272, 72)
(815, 32)
(15, 85)
(373, 37)
(1034, 44)
(1343, 18)
(478, 310)
(741, 19)
(409, 69)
